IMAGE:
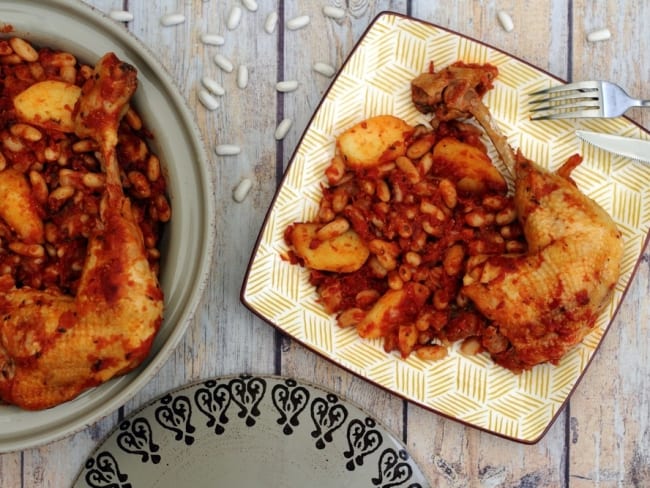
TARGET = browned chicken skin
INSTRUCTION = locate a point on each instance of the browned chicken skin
(543, 303)
(54, 346)
(546, 301)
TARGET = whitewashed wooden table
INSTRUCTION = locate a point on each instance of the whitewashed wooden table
(601, 439)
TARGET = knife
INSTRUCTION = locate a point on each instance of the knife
(628, 147)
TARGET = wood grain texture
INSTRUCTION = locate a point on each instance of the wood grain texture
(601, 439)
(610, 413)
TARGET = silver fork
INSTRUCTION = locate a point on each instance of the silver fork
(581, 100)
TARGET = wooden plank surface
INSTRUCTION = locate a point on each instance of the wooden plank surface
(601, 439)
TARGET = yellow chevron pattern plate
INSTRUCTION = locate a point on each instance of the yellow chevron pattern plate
(376, 80)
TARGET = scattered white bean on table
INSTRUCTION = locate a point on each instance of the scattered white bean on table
(505, 20)
(286, 86)
(271, 22)
(234, 17)
(242, 189)
(212, 39)
(282, 129)
(250, 5)
(299, 22)
(121, 15)
(227, 150)
(213, 86)
(223, 62)
(324, 69)
(169, 20)
(333, 12)
(599, 35)
(242, 76)
(207, 100)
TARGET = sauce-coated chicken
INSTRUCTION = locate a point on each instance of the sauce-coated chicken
(543, 303)
(546, 301)
(54, 346)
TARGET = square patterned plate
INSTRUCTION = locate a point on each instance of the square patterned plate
(376, 80)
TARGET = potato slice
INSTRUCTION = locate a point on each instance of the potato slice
(48, 104)
(343, 254)
(374, 141)
(469, 167)
(18, 208)
(394, 308)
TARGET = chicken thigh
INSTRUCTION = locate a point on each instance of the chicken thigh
(544, 302)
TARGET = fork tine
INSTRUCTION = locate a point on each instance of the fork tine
(572, 101)
(575, 114)
(585, 104)
(579, 85)
(566, 97)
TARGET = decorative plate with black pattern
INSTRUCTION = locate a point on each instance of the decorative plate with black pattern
(250, 431)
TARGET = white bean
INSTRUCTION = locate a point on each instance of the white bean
(121, 15)
(207, 100)
(212, 39)
(172, 19)
(227, 150)
(286, 86)
(213, 86)
(242, 189)
(271, 22)
(223, 62)
(250, 5)
(599, 35)
(298, 22)
(505, 20)
(242, 76)
(324, 69)
(234, 17)
(282, 129)
(333, 12)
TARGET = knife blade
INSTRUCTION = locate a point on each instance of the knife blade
(629, 147)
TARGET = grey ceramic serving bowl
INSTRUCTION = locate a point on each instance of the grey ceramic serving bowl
(189, 237)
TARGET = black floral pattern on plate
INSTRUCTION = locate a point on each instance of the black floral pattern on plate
(209, 408)
(328, 416)
(248, 392)
(102, 471)
(213, 399)
(175, 414)
(136, 438)
(363, 440)
(290, 400)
